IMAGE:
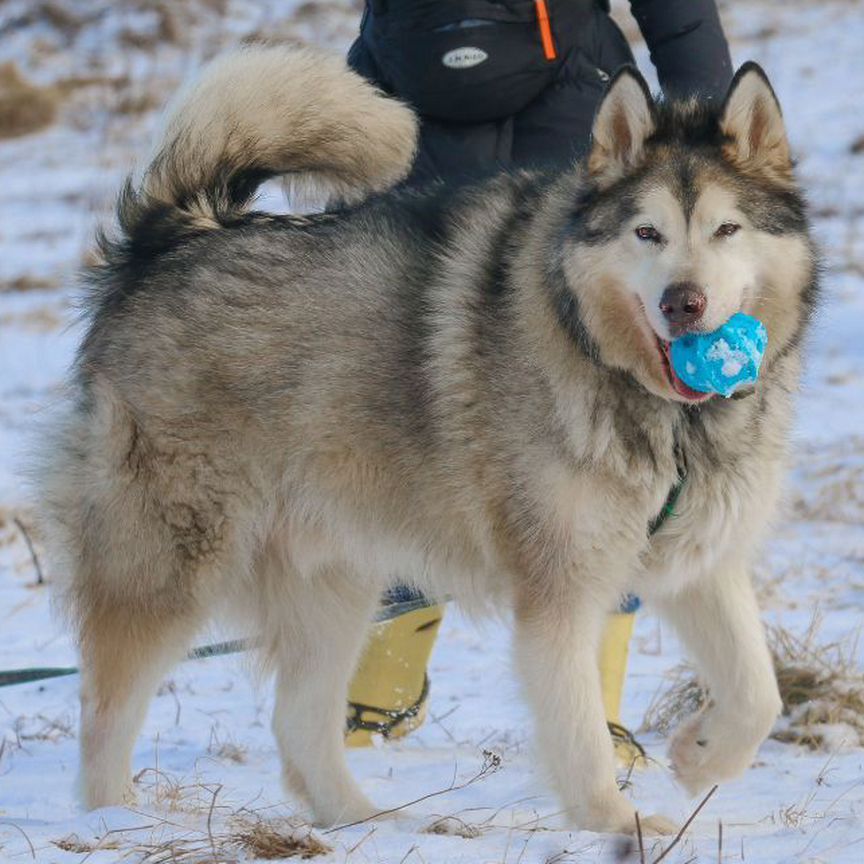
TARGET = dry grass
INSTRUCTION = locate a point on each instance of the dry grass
(193, 827)
(821, 686)
(46, 319)
(42, 728)
(23, 284)
(166, 792)
(822, 690)
(684, 696)
(226, 749)
(270, 840)
(73, 843)
(24, 107)
(830, 483)
(453, 826)
(242, 836)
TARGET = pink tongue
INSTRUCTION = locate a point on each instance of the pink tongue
(680, 387)
(684, 389)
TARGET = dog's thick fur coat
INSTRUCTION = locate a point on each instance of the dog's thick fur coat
(274, 415)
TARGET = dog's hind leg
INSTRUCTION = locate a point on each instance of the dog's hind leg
(314, 628)
(140, 531)
(125, 652)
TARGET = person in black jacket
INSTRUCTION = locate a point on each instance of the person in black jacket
(516, 82)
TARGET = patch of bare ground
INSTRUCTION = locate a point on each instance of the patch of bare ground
(24, 107)
(821, 685)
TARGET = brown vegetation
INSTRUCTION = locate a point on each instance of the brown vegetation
(24, 107)
(820, 684)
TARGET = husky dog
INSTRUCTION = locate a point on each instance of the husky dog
(270, 413)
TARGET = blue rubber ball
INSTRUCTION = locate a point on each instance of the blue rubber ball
(722, 361)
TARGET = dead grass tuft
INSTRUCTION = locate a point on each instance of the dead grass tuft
(280, 839)
(683, 697)
(24, 107)
(226, 749)
(820, 684)
(73, 843)
(242, 836)
(453, 826)
(42, 728)
(166, 791)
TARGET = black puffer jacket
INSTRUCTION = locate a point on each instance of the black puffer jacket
(491, 93)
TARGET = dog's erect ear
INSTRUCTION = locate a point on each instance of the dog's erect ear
(622, 123)
(752, 121)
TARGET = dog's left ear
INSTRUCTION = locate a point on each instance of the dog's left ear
(752, 122)
(623, 122)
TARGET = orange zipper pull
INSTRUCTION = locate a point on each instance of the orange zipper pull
(549, 51)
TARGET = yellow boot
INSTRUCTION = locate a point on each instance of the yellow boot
(387, 695)
(613, 671)
(388, 692)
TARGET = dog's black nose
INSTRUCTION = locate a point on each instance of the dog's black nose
(683, 304)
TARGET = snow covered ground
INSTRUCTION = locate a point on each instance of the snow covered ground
(206, 751)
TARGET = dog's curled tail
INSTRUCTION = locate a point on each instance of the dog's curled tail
(263, 111)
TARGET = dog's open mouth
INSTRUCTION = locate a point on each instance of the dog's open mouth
(675, 382)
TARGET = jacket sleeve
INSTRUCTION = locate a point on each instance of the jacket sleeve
(687, 45)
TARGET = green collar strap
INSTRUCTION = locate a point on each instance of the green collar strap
(668, 508)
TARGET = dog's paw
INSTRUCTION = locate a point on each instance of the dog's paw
(618, 816)
(360, 809)
(691, 752)
(651, 825)
(710, 747)
(96, 792)
(655, 825)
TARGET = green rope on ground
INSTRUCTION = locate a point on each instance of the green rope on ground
(218, 649)
(27, 676)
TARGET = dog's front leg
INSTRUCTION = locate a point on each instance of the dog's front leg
(718, 621)
(557, 636)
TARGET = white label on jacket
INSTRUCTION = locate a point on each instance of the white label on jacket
(464, 58)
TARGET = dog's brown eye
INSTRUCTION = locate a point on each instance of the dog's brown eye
(649, 233)
(727, 229)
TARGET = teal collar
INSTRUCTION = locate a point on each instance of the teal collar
(668, 508)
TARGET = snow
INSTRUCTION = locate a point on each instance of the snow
(207, 733)
(733, 361)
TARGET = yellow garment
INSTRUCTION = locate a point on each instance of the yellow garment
(387, 695)
(614, 650)
(388, 690)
